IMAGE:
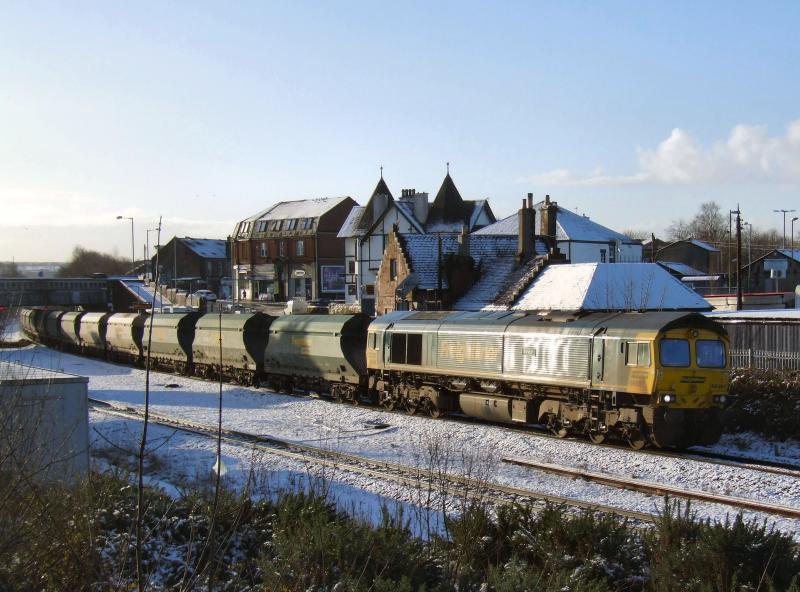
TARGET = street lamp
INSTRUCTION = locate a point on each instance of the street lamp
(149, 266)
(793, 219)
(133, 252)
(784, 212)
(749, 251)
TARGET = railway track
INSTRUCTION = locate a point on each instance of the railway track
(658, 488)
(761, 465)
(406, 475)
(457, 485)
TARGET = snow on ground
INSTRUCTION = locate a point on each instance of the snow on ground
(474, 449)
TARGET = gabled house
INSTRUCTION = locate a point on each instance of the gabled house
(580, 239)
(193, 263)
(291, 250)
(777, 271)
(366, 229)
(693, 253)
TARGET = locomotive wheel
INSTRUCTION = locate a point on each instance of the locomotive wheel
(412, 407)
(435, 412)
(597, 437)
(636, 439)
(555, 427)
(389, 403)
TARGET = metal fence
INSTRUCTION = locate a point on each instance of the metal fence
(757, 358)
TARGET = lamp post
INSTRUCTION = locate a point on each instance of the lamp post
(784, 212)
(749, 250)
(133, 252)
(793, 219)
(149, 266)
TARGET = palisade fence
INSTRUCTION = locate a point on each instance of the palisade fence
(765, 359)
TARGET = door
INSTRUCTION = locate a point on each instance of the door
(598, 358)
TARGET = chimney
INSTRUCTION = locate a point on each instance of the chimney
(526, 237)
(463, 242)
(421, 206)
(547, 227)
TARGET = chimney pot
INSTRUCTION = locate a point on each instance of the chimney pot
(530, 201)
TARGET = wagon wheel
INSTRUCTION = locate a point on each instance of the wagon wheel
(597, 437)
(388, 402)
(354, 398)
(435, 412)
(636, 439)
(555, 428)
(412, 406)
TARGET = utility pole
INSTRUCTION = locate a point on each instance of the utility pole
(738, 258)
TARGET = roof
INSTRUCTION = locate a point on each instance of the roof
(407, 210)
(448, 205)
(577, 227)
(350, 227)
(760, 314)
(494, 257)
(681, 268)
(208, 248)
(569, 227)
(16, 374)
(608, 286)
(303, 208)
(794, 255)
(702, 245)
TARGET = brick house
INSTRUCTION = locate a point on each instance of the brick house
(777, 271)
(367, 228)
(455, 272)
(696, 254)
(291, 250)
(193, 263)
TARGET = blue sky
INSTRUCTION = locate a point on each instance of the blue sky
(205, 113)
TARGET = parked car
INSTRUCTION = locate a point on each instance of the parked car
(207, 295)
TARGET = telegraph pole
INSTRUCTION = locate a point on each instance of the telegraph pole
(738, 258)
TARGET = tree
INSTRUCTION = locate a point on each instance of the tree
(9, 269)
(708, 225)
(85, 262)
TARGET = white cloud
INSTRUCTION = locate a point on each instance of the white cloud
(748, 154)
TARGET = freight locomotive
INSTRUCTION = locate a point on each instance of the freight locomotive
(651, 378)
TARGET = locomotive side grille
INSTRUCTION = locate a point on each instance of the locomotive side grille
(545, 356)
(470, 351)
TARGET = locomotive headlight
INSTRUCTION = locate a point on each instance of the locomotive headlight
(668, 398)
(720, 398)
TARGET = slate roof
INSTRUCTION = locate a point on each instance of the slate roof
(608, 286)
(494, 256)
(208, 248)
(703, 245)
(681, 268)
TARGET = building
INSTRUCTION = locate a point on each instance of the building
(445, 271)
(367, 228)
(695, 254)
(193, 263)
(291, 250)
(580, 239)
(777, 271)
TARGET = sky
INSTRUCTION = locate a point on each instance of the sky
(632, 113)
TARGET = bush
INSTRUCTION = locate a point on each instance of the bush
(766, 402)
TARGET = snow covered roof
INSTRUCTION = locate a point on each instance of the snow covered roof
(208, 248)
(350, 227)
(577, 227)
(407, 210)
(608, 286)
(703, 245)
(302, 208)
(494, 257)
(569, 226)
(760, 314)
(795, 255)
(681, 268)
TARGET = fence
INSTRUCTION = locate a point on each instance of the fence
(764, 359)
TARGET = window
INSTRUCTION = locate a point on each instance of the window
(369, 289)
(392, 269)
(638, 354)
(710, 353)
(291, 224)
(300, 248)
(406, 349)
(374, 339)
(351, 266)
(264, 251)
(282, 248)
(674, 353)
(602, 255)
